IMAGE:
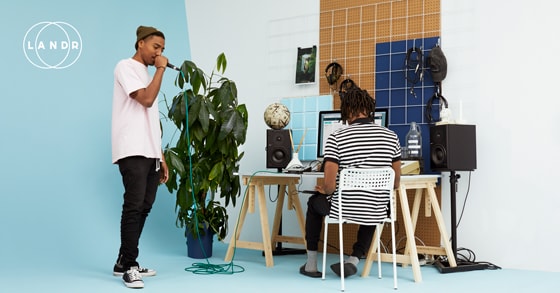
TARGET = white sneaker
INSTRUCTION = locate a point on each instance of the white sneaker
(118, 270)
(133, 279)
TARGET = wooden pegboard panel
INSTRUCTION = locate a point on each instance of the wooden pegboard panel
(350, 29)
(384, 11)
(432, 24)
(366, 64)
(430, 7)
(325, 19)
(354, 15)
(368, 13)
(400, 8)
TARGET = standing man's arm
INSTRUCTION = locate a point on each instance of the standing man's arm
(164, 175)
(147, 96)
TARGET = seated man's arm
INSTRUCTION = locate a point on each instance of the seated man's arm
(397, 168)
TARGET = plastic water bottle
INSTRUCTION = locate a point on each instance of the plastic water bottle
(414, 141)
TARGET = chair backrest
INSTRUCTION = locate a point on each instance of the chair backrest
(366, 179)
(364, 209)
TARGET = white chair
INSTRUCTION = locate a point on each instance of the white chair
(377, 179)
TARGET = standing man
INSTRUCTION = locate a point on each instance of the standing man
(362, 144)
(136, 145)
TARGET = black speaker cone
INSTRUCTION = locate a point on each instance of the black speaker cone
(438, 155)
(278, 156)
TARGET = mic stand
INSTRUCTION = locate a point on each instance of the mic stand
(444, 267)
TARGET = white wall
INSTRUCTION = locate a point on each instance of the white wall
(501, 69)
(502, 65)
(260, 40)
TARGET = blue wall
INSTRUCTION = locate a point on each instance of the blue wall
(61, 196)
(393, 90)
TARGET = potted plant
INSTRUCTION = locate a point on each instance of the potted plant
(204, 162)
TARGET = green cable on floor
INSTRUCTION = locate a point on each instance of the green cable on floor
(229, 268)
(210, 269)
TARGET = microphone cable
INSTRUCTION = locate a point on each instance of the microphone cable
(203, 268)
(414, 68)
(229, 268)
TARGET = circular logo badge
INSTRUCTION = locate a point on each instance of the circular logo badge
(52, 45)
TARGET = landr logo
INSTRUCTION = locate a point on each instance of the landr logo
(52, 45)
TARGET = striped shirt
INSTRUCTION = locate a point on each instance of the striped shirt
(362, 145)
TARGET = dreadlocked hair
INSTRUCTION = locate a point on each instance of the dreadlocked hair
(355, 102)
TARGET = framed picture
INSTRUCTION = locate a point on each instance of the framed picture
(305, 65)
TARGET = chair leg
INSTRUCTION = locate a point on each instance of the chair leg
(341, 244)
(394, 254)
(378, 228)
(326, 228)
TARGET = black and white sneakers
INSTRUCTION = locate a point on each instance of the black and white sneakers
(132, 278)
(119, 270)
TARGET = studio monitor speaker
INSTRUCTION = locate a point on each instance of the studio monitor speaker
(278, 148)
(453, 147)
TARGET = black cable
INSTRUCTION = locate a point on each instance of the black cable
(414, 67)
(465, 201)
(470, 259)
(465, 256)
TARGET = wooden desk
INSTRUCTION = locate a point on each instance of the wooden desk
(424, 185)
(284, 181)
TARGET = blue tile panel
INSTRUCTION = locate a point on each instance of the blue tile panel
(393, 89)
(304, 113)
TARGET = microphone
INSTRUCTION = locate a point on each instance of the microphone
(173, 66)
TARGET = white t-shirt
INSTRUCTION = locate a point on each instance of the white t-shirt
(135, 129)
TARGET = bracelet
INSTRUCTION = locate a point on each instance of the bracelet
(160, 67)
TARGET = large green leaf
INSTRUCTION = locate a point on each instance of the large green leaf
(216, 172)
(221, 63)
(228, 123)
(203, 115)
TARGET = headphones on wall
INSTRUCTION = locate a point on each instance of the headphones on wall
(442, 104)
(333, 71)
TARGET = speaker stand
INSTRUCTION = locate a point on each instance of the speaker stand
(444, 267)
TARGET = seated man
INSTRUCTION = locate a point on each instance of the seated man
(362, 144)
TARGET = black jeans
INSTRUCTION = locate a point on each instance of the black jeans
(140, 180)
(318, 207)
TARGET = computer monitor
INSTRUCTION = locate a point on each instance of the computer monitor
(329, 121)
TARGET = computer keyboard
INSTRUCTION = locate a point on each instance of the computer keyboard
(313, 173)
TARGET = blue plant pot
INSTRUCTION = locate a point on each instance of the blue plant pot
(199, 247)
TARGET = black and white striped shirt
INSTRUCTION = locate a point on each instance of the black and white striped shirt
(362, 145)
